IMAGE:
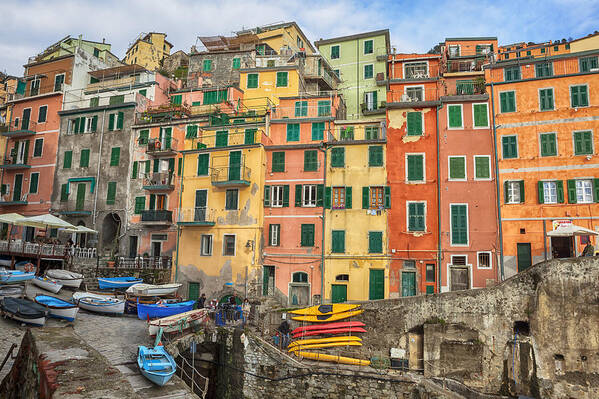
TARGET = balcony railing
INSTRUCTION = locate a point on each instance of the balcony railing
(157, 216)
(200, 216)
(373, 108)
(312, 71)
(144, 262)
(299, 110)
(474, 65)
(24, 128)
(373, 131)
(163, 113)
(159, 181)
(32, 90)
(14, 163)
(72, 208)
(226, 176)
(414, 70)
(467, 89)
(165, 146)
(12, 198)
(413, 95)
(23, 248)
(126, 81)
(222, 139)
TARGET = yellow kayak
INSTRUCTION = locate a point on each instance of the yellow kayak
(323, 357)
(328, 317)
(327, 345)
(324, 309)
(324, 340)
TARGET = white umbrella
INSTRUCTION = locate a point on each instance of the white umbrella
(44, 221)
(571, 230)
(10, 218)
(80, 230)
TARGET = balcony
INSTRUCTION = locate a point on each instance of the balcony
(104, 84)
(201, 216)
(14, 163)
(162, 148)
(230, 176)
(464, 67)
(413, 98)
(463, 89)
(415, 71)
(75, 209)
(159, 181)
(11, 198)
(370, 108)
(223, 139)
(24, 129)
(369, 132)
(164, 113)
(306, 111)
(157, 217)
(316, 70)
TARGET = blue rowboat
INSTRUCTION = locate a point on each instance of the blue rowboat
(156, 364)
(14, 276)
(57, 307)
(110, 283)
(152, 311)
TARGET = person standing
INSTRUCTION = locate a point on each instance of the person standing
(202, 301)
(246, 307)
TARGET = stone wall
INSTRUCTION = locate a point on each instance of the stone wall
(94, 268)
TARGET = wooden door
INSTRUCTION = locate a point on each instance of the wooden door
(193, 292)
(459, 279)
(26, 118)
(235, 165)
(408, 283)
(132, 246)
(524, 256)
(338, 293)
(377, 284)
(79, 204)
(268, 280)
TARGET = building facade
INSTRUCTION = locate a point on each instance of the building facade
(148, 50)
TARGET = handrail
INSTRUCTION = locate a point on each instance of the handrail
(191, 378)
(9, 355)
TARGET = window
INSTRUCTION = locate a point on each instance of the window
(38, 147)
(143, 137)
(482, 167)
(368, 47)
(342, 277)
(415, 93)
(273, 234)
(375, 197)
(507, 101)
(114, 100)
(282, 79)
(231, 199)
(64, 192)
(252, 82)
(317, 130)
(310, 160)
(143, 92)
(484, 260)
(415, 167)
(368, 71)
(278, 162)
(346, 133)
(375, 242)
(338, 241)
(583, 143)
(309, 195)
(140, 204)
(300, 43)
(416, 216)
(115, 155)
(249, 136)
(301, 108)
(84, 158)
(454, 116)
(334, 52)
(338, 157)
(371, 132)
(584, 191)
(430, 274)
(528, 53)
(336, 72)
(203, 161)
(514, 192)
(588, 63)
(236, 63)
(341, 197)
(206, 245)
(94, 102)
(33, 182)
(548, 144)
(464, 87)
(543, 50)
(299, 277)
(480, 115)
(324, 108)
(115, 121)
(457, 168)
(307, 235)
(222, 138)
(293, 132)
(277, 196)
(414, 124)
(510, 146)
(579, 96)
(207, 65)
(415, 70)
(111, 193)
(68, 157)
(58, 82)
(548, 192)
(191, 132)
(543, 69)
(215, 96)
(546, 99)
(229, 245)
(375, 155)
(459, 224)
(511, 73)
(35, 87)
(41, 115)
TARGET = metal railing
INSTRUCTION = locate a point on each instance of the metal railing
(126, 81)
(415, 70)
(161, 145)
(9, 196)
(464, 66)
(145, 262)
(196, 215)
(157, 216)
(24, 127)
(33, 249)
(226, 174)
(190, 380)
(373, 131)
(303, 109)
(406, 95)
(212, 139)
(466, 88)
(158, 180)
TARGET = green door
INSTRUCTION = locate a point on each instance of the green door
(268, 280)
(167, 138)
(16, 195)
(408, 283)
(80, 197)
(26, 118)
(200, 208)
(193, 291)
(235, 165)
(524, 256)
(377, 284)
(338, 293)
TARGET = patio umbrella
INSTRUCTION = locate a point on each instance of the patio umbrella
(10, 218)
(571, 230)
(44, 221)
(80, 230)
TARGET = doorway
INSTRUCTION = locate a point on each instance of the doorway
(377, 284)
(562, 247)
(200, 206)
(408, 283)
(235, 165)
(156, 248)
(338, 293)
(459, 279)
(299, 289)
(132, 246)
(111, 226)
(268, 280)
(524, 255)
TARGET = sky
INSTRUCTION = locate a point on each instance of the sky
(27, 27)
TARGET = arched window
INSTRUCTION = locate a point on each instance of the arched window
(342, 277)
(300, 277)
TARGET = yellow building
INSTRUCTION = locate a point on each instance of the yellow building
(356, 261)
(590, 42)
(266, 85)
(221, 212)
(285, 35)
(149, 50)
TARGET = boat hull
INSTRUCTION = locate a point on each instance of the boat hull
(116, 307)
(156, 364)
(153, 290)
(38, 322)
(329, 317)
(326, 345)
(113, 283)
(48, 285)
(324, 309)
(159, 380)
(15, 276)
(14, 291)
(58, 308)
(323, 357)
(176, 323)
(24, 310)
(145, 311)
(68, 314)
(65, 277)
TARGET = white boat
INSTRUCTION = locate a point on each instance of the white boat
(58, 307)
(65, 277)
(47, 284)
(153, 290)
(177, 322)
(99, 303)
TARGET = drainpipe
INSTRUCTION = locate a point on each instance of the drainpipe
(178, 216)
(98, 171)
(438, 204)
(324, 150)
(497, 184)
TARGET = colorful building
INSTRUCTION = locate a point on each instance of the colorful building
(360, 61)
(69, 45)
(532, 50)
(148, 50)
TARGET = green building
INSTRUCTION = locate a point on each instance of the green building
(360, 61)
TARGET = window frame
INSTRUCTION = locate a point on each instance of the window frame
(546, 191)
(461, 127)
(421, 124)
(574, 143)
(333, 251)
(451, 243)
(423, 181)
(517, 149)
(375, 205)
(370, 250)
(299, 132)
(280, 189)
(225, 244)
(588, 96)
(247, 81)
(510, 198)
(578, 199)
(405, 91)
(474, 120)
(341, 190)
(408, 216)
(478, 266)
(309, 189)
(227, 192)
(202, 252)
(338, 55)
(37, 186)
(552, 99)
(407, 64)
(513, 67)
(42, 151)
(64, 77)
(489, 164)
(286, 79)
(501, 111)
(371, 46)
(272, 237)
(537, 69)
(45, 114)
(541, 144)
(364, 71)
(313, 235)
(449, 178)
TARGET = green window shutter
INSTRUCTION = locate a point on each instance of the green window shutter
(120, 119)
(334, 52)
(508, 101)
(110, 121)
(455, 116)
(307, 235)
(134, 172)
(266, 196)
(140, 204)
(94, 123)
(236, 63)
(375, 242)
(348, 197)
(505, 191)
(222, 138)
(595, 190)
(459, 225)
(252, 82)
(572, 191)
(192, 132)
(115, 155)
(319, 194)
(415, 167)
(541, 192)
(387, 197)
(317, 130)
(510, 148)
(278, 162)
(38, 146)
(111, 193)
(368, 71)
(365, 197)
(171, 165)
(64, 194)
(310, 160)
(522, 198)
(416, 219)
(457, 168)
(293, 132)
(33, 182)
(203, 161)
(286, 196)
(147, 167)
(548, 144)
(368, 47)
(338, 241)
(94, 101)
(207, 65)
(298, 195)
(560, 191)
(327, 197)
(583, 143)
(481, 115)
(546, 99)
(338, 157)
(179, 166)
(414, 123)
(152, 205)
(114, 100)
(143, 92)
(324, 108)
(84, 159)
(177, 100)
(482, 168)
(282, 79)
(143, 137)
(249, 136)
(68, 157)
(375, 156)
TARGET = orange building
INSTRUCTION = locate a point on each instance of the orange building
(545, 117)
(533, 50)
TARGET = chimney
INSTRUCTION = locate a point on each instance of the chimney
(103, 40)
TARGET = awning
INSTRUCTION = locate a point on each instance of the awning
(44, 221)
(80, 230)
(571, 230)
(10, 218)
